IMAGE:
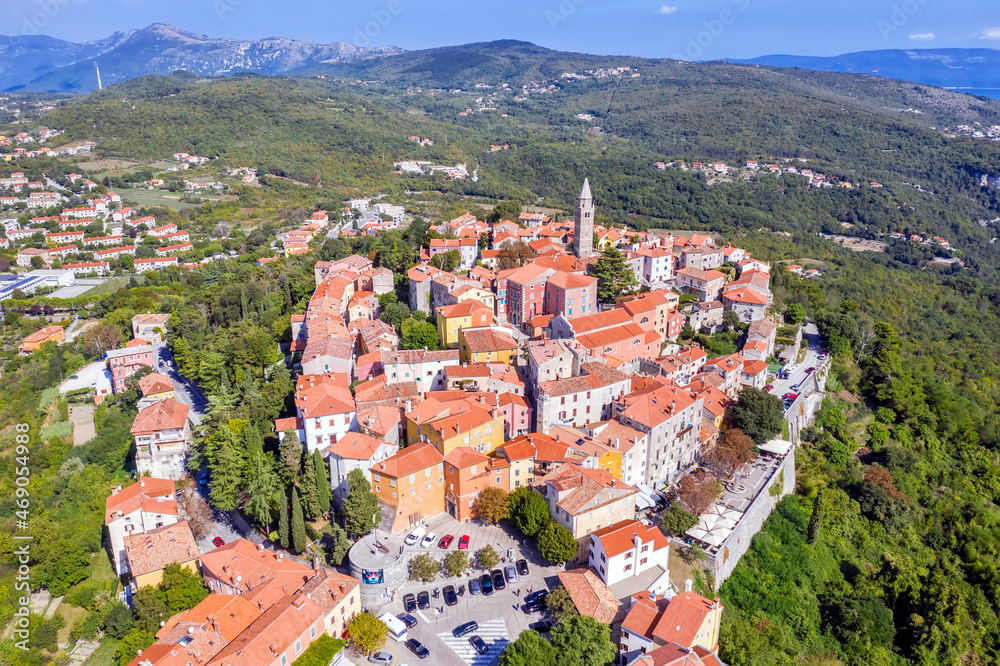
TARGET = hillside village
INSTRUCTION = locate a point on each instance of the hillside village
(539, 378)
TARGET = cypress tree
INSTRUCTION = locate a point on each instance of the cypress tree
(322, 481)
(283, 520)
(310, 493)
(298, 524)
(816, 519)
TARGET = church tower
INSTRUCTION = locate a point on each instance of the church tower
(584, 223)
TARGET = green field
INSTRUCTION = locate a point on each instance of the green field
(112, 285)
(144, 197)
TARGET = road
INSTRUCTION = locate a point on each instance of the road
(797, 372)
(185, 390)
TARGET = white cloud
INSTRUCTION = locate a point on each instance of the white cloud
(667, 9)
(990, 33)
(923, 36)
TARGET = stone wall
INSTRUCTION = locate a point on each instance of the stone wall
(735, 547)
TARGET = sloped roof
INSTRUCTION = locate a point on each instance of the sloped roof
(163, 415)
(356, 446)
(598, 375)
(411, 459)
(656, 406)
(590, 595)
(154, 383)
(464, 456)
(277, 628)
(148, 494)
(565, 280)
(488, 340)
(325, 398)
(683, 618)
(241, 559)
(618, 538)
(600, 320)
(154, 549)
(591, 488)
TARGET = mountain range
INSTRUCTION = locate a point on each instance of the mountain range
(37, 63)
(976, 71)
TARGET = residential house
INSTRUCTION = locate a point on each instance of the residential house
(278, 637)
(490, 344)
(163, 437)
(410, 485)
(25, 255)
(578, 401)
(33, 342)
(554, 359)
(706, 285)
(150, 327)
(242, 568)
(149, 553)
(754, 374)
(355, 451)
(517, 414)
(656, 311)
(525, 292)
(570, 295)
(424, 367)
(704, 316)
(125, 362)
(671, 417)
(453, 318)
(153, 264)
(468, 472)
(591, 596)
(657, 265)
(761, 334)
(420, 277)
(154, 387)
(148, 504)
(326, 408)
(730, 368)
(628, 549)
(585, 500)
(703, 258)
(339, 597)
(472, 420)
(749, 296)
(685, 627)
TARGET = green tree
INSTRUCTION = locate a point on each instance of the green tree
(530, 649)
(227, 476)
(118, 620)
(418, 335)
(289, 456)
(424, 567)
(583, 641)
(487, 557)
(758, 413)
(816, 519)
(182, 588)
(321, 651)
(367, 633)
(491, 505)
(678, 521)
(298, 523)
(322, 482)
(556, 543)
(37, 262)
(310, 493)
(878, 435)
(528, 510)
(730, 320)
(336, 543)
(360, 506)
(795, 314)
(261, 486)
(560, 604)
(129, 647)
(456, 563)
(284, 530)
(150, 609)
(614, 276)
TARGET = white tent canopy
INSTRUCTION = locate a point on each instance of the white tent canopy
(778, 447)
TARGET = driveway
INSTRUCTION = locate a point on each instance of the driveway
(499, 616)
(813, 345)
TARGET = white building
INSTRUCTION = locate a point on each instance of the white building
(627, 549)
(657, 265)
(355, 451)
(395, 212)
(426, 368)
(143, 506)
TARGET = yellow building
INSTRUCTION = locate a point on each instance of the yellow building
(478, 294)
(472, 420)
(453, 318)
(488, 344)
(149, 553)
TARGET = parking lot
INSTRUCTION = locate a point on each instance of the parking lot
(498, 615)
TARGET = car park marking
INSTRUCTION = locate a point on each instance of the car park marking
(493, 632)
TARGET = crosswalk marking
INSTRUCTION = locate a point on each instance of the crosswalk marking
(493, 632)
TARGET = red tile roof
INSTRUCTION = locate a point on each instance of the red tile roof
(590, 595)
(272, 633)
(164, 415)
(683, 618)
(618, 538)
(356, 446)
(154, 383)
(154, 549)
(148, 494)
(411, 459)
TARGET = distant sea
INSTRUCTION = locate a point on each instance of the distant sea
(993, 93)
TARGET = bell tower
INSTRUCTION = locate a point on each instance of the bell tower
(584, 223)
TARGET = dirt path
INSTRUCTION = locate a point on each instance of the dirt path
(82, 418)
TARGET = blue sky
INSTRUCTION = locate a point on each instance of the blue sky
(690, 29)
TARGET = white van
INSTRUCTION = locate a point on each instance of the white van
(397, 630)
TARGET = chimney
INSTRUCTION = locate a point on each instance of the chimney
(688, 585)
(163, 623)
(260, 547)
(239, 579)
(617, 442)
(190, 630)
(281, 555)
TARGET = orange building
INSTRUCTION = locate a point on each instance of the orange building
(466, 473)
(48, 334)
(410, 484)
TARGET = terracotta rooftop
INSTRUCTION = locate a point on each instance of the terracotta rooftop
(163, 415)
(411, 459)
(683, 618)
(598, 376)
(271, 633)
(154, 549)
(590, 595)
(618, 538)
(148, 494)
(618, 333)
(657, 406)
(329, 588)
(419, 356)
(594, 488)
(565, 280)
(154, 383)
(488, 340)
(227, 614)
(254, 567)
(644, 614)
(356, 446)
(463, 309)
(600, 321)
(465, 456)
(328, 397)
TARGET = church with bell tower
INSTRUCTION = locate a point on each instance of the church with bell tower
(584, 223)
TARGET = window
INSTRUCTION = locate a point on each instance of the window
(378, 478)
(427, 486)
(413, 478)
(312, 631)
(603, 559)
(498, 480)
(392, 483)
(284, 660)
(474, 469)
(628, 567)
(440, 467)
(562, 400)
(628, 555)
(413, 491)
(378, 489)
(451, 470)
(644, 560)
(298, 647)
(645, 547)
(394, 494)
(427, 472)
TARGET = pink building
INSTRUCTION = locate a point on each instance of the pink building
(526, 292)
(517, 414)
(127, 361)
(570, 295)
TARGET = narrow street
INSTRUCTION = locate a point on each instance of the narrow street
(813, 345)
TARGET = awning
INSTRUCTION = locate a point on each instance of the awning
(643, 502)
(778, 447)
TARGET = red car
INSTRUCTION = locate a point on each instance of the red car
(791, 396)
(445, 541)
(769, 387)
(463, 543)
(218, 542)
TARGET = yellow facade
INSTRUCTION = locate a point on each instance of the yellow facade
(465, 356)
(480, 295)
(448, 328)
(153, 578)
(488, 435)
(612, 462)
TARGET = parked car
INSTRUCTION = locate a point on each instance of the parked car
(428, 540)
(791, 396)
(769, 387)
(463, 543)
(445, 541)
(417, 648)
(478, 644)
(409, 603)
(533, 607)
(540, 626)
(450, 598)
(522, 567)
(535, 596)
(498, 581)
(475, 587)
(218, 542)
(510, 573)
(407, 619)
(809, 371)
(424, 600)
(383, 658)
(465, 629)
(487, 584)
(415, 536)
(794, 387)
